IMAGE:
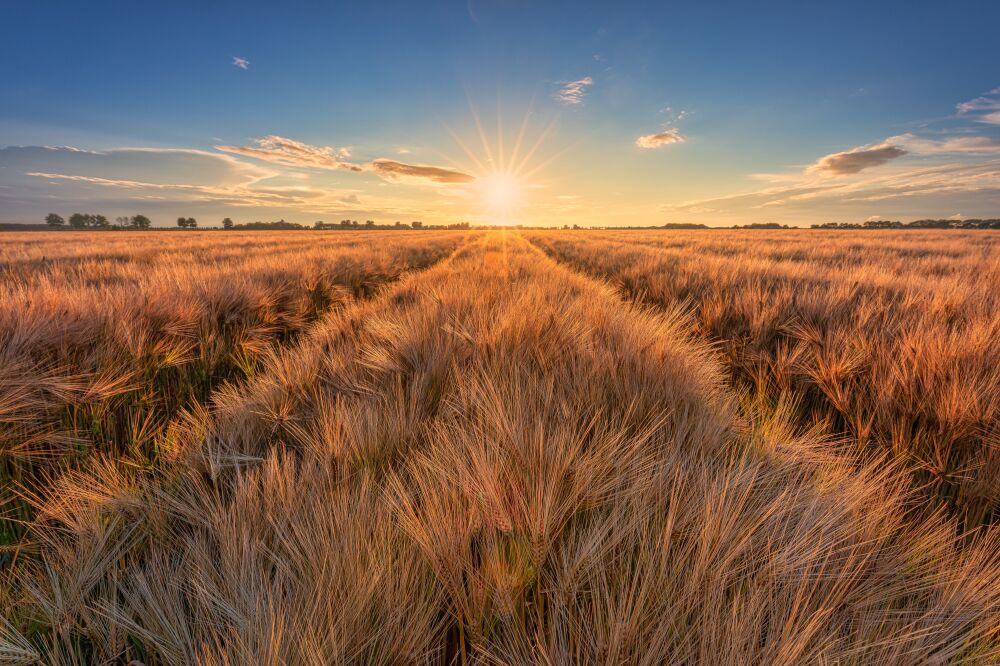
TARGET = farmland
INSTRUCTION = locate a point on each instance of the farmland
(500, 447)
(889, 339)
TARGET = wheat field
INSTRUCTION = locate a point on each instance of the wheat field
(487, 447)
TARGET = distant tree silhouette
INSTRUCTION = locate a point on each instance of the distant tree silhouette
(417, 224)
(187, 223)
(54, 220)
(369, 223)
(141, 222)
(227, 223)
(261, 226)
(85, 220)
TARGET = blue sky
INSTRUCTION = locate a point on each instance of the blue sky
(640, 113)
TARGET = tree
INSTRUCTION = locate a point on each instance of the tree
(416, 224)
(54, 220)
(187, 223)
(141, 222)
(319, 224)
(99, 222)
(123, 221)
(78, 220)
(192, 223)
(369, 223)
(227, 223)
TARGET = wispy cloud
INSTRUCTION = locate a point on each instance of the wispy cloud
(393, 170)
(660, 139)
(289, 152)
(984, 103)
(242, 63)
(937, 185)
(159, 179)
(953, 145)
(934, 185)
(984, 109)
(856, 159)
(573, 92)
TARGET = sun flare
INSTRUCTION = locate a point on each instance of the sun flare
(507, 171)
(502, 194)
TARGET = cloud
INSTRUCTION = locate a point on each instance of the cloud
(573, 92)
(36, 178)
(392, 170)
(983, 109)
(857, 159)
(991, 118)
(288, 152)
(978, 104)
(153, 165)
(968, 145)
(242, 63)
(934, 187)
(660, 139)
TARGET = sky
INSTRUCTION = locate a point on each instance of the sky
(501, 111)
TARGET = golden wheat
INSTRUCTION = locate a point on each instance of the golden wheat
(889, 337)
(498, 460)
(103, 343)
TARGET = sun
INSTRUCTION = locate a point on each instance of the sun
(501, 194)
(505, 173)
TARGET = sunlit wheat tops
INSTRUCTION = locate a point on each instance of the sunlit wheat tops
(465, 449)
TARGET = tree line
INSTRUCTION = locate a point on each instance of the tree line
(94, 221)
(371, 224)
(971, 223)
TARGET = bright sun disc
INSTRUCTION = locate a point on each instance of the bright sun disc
(501, 193)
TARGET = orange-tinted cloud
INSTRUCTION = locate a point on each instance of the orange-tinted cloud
(660, 139)
(288, 152)
(856, 160)
(391, 169)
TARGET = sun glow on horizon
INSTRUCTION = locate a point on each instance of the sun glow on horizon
(505, 172)
(502, 195)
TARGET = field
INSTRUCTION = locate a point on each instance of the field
(500, 447)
